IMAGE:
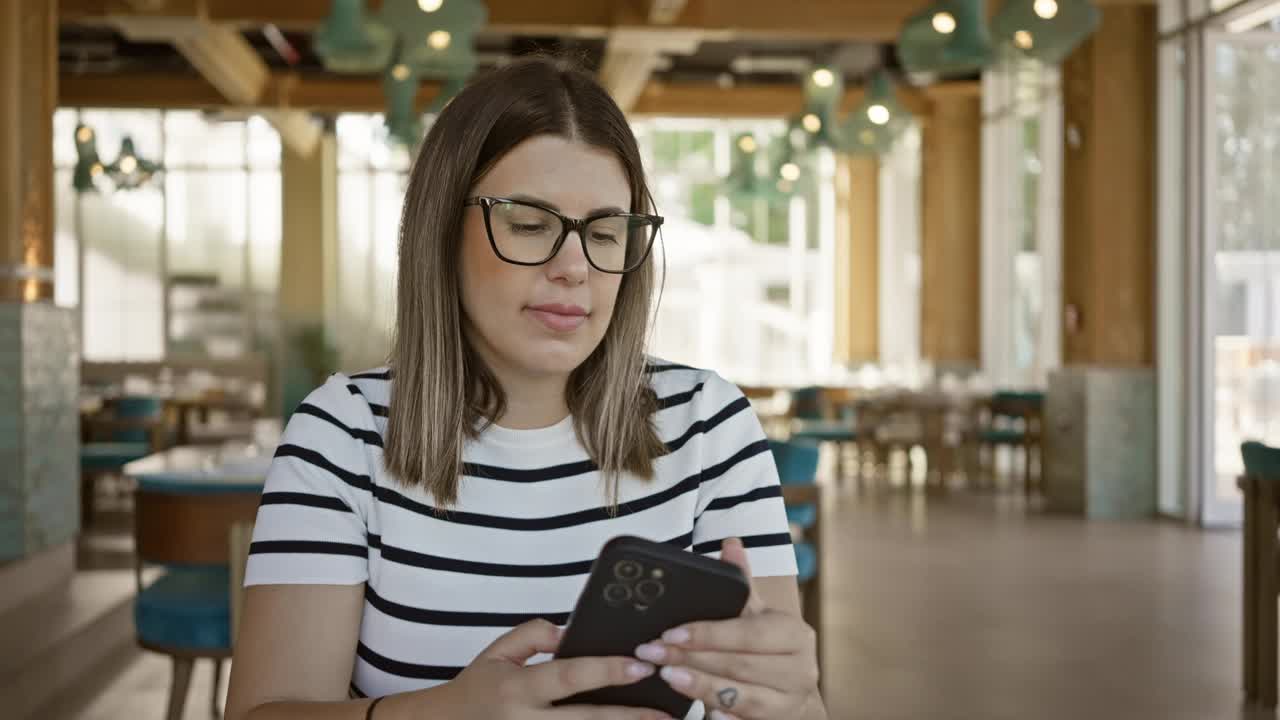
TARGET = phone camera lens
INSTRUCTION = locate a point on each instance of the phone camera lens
(628, 570)
(616, 594)
(649, 591)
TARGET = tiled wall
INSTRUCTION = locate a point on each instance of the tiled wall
(39, 422)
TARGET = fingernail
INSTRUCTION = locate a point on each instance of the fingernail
(676, 635)
(651, 652)
(639, 670)
(677, 677)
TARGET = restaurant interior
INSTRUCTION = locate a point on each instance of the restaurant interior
(1000, 278)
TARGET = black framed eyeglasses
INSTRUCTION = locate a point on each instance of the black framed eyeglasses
(526, 233)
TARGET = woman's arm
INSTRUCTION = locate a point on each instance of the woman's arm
(295, 653)
(297, 646)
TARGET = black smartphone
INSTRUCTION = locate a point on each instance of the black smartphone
(637, 590)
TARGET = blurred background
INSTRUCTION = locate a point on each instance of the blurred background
(1001, 279)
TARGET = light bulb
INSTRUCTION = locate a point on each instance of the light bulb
(439, 39)
(128, 164)
(823, 78)
(747, 144)
(430, 5)
(1024, 40)
(1047, 9)
(790, 171)
(811, 122)
(96, 170)
(84, 134)
(400, 72)
(878, 114)
(944, 22)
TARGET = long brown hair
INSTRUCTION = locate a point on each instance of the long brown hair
(443, 392)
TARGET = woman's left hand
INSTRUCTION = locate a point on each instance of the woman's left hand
(761, 665)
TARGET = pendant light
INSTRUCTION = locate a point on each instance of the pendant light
(130, 171)
(950, 37)
(874, 125)
(404, 123)
(438, 38)
(88, 167)
(823, 91)
(349, 41)
(1044, 30)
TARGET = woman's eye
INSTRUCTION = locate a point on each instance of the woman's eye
(527, 228)
(603, 238)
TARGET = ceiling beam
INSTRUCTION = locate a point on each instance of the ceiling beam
(633, 53)
(329, 94)
(230, 65)
(844, 20)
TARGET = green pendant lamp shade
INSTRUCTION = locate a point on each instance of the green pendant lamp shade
(404, 123)
(878, 121)
(948, 38)
(349, 41)
(88, 167)
(436, 43)
(1044, 30)
(789, 167)
(823, 90)
(130, 171)
(744, 182)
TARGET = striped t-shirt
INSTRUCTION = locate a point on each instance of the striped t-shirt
(532, 514)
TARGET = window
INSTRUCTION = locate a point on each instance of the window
(749, 285)
(372, 177)
(185, 264)
(1022, 185)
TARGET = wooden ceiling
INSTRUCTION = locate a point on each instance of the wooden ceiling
(845, 20)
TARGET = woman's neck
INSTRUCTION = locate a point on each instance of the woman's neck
(533, 403)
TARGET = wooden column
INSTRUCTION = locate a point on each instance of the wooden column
(39, 352)
(1108, 239)
(28, 97)
(951, 232)
(308, 263)
(858, 260)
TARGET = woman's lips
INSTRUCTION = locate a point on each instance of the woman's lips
(560, 318)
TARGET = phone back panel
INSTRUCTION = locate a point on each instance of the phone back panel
(637, 590)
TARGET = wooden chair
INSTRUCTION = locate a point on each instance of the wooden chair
(797, 470)
(1261, 488)
(811, 586)
(1008, 419)
(127, 429)
(186, 613)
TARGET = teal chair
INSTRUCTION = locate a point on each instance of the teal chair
(187, 531)
(1260, 486)
(130, 428)
(797, 463)
(812, 424)
(1013, 420)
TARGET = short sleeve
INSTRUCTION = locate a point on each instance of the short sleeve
(739, 494)
(312, 525)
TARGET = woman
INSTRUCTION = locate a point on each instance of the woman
(426, 527)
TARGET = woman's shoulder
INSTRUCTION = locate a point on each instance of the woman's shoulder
(352, 399)
(678, 385)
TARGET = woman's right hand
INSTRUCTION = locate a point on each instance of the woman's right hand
(498, 685)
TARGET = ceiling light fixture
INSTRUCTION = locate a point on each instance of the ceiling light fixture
(439, 40)
(1047, 9)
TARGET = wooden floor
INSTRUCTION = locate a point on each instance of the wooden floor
(971, 608)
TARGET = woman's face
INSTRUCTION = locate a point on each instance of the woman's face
(543, 320)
